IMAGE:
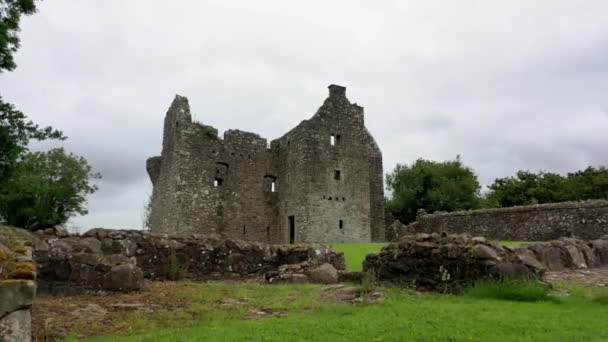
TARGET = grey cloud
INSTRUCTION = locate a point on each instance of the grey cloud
(506, 85)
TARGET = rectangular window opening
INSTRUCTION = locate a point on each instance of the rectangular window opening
(218, 182)
(337, 174)
(273, 186)
(337, 139)
(292, 229)
(341, 224)
(332, 140)
(244, 230)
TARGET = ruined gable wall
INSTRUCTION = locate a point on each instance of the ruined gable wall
(376, 191)
(543, 222)
(311, 193)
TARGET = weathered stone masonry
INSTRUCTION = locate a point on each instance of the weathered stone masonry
(320, 182)
(543, 222)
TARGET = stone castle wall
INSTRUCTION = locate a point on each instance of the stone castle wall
(320, 182)
(543, 222)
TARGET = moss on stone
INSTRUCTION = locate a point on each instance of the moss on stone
(21, 270)
(3, 256)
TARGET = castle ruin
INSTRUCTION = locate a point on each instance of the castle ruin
(320, 182)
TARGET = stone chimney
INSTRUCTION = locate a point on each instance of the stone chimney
(337, 91)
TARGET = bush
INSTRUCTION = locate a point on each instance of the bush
(509, 289)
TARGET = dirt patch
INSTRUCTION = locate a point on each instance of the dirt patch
(593, 277)
(54, 317)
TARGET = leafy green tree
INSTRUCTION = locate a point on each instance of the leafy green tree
(15, 133)
(46, 190)
(432, 186)
(591, 183)
(11, 12)
(546, 187)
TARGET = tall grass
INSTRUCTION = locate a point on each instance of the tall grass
(510, 289)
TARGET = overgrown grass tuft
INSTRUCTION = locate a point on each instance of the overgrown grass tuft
(510, 289)
(601, 298)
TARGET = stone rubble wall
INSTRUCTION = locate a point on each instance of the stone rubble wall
(119, 260)
(544, 222)
(448, 263)
(17, 287)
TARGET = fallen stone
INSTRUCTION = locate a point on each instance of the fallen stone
(124, 278)
(324, 274)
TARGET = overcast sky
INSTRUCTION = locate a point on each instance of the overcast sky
(508, 85)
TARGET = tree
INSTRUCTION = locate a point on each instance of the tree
(432, 186)
(546, 187)
(15, 134)
(591, 183)
(46, 190)
(10, 18)
(15, 130)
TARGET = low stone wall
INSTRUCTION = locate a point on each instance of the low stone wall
(17, 287)
(586, 220)
(448, 263)
(119, 260)
(445, 263)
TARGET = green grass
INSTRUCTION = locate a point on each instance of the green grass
(355, 253)
(514, 243)
(403, 316)
(508, 289)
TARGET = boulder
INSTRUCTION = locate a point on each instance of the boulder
(125, 278)
(16, 295)
(324, 274)
(16, 326)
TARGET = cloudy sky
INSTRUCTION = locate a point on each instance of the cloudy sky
(508, 85)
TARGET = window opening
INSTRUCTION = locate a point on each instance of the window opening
(292, 229)
(273, 186)
(332, 140)
(341, 224)
(244, 229)
(218, 182)
(337, 174)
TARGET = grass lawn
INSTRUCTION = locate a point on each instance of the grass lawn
(401, 316)
(355, 253)
(230, 311)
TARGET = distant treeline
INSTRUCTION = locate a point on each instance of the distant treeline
(450, 186)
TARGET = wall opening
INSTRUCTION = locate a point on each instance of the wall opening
(337, 174)
(292, 228)
(244, 229)
(334, 139)
(218, 181)
(267, 233)
(341, 224)
(270, 183)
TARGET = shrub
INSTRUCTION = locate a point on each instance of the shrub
(509, 289)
